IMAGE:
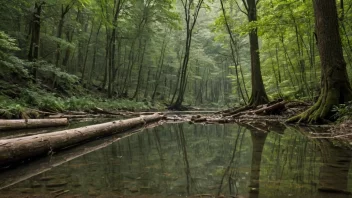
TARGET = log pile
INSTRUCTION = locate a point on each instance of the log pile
(14, 150)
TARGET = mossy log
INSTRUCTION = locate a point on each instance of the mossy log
(31, 123)
(14, 150)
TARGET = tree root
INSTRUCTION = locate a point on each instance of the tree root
(315, 114)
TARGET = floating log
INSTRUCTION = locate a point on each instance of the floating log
(14, 150)
(21, 173)
(31, 123)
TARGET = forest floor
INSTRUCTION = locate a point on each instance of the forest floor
(276, 111)
(23, 100)
(272, 117)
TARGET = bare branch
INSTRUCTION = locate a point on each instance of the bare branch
(239, 7)
(244, 3)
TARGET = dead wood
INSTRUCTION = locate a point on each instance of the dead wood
(68, 116)
(42, 165)
(13, 150)
(102, 111)
(236, 111)
(31, 123)
(274, 108)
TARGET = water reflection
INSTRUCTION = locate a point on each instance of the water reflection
(193, 160)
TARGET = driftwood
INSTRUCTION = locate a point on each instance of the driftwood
(14, 150)
(31, 123)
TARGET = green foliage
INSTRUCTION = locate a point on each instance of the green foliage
(79, 104)
(13, 111)
(9, 64)
(343, 111)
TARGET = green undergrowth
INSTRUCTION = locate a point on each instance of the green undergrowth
(343, 112)
(31, 103)
(29, 88)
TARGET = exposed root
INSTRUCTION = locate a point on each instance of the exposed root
(315, 114)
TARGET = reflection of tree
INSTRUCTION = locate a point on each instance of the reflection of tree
(182, 144)
(162, 158)
(258, 141)
(232, 179)
(334, 171)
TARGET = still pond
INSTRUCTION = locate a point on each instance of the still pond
(188, 160)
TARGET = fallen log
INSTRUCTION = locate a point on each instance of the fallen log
(98, 110)
(68, 116)
(31, 123)
(21, 173)
(271, 109)
(14, 150)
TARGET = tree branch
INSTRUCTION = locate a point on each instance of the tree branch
(245, 5)
(239, 7)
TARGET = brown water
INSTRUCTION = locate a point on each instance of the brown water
(183, 160)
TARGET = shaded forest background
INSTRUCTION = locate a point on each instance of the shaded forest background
(130, 54)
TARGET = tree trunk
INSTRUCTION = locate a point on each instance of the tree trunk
(135, 95)
(14, 150)
(190, 23)
(258, 95)
(31, 123)
(33, 53)
(64, 11)
(86, 54)
(335, 87)
(69, 37)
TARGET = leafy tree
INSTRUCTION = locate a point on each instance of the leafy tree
(335, 87)
(258, 95)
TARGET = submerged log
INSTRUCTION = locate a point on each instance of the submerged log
(31, 123)
(14, 150)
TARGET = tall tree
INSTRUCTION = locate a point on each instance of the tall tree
(335, 87)
(35, 25)
(258, 95)
(190, 19)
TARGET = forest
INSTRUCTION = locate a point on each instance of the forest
(175, 98)
(77, 55)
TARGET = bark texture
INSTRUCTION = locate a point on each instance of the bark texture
(335, 87)
(258, 95)
(31, 123)
(14, 150)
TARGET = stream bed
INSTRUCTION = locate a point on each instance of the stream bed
(189, 160)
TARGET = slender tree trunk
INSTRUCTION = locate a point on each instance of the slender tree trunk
(86, 54)
(33, 53)
(160, 68)
(69, 37)
(64, 11)
(94, 55)
(233, 44)
(191, 20)
(135, 95)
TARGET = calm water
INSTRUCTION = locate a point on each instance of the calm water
(179, 160)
